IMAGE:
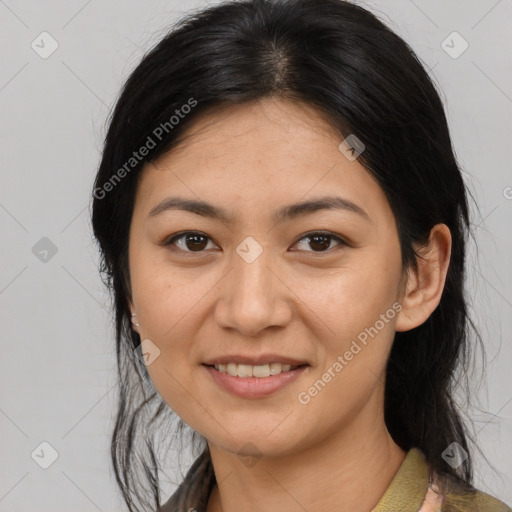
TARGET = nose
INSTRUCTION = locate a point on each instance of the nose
(254, 297)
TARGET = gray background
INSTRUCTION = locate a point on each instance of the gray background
(58, 369)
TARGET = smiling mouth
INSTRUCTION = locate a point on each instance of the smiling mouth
(254, 381)
(258, 371)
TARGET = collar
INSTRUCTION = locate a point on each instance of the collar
(409, 486)
(406, 491)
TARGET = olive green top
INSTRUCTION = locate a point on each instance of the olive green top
(405, 493)
(409, 486)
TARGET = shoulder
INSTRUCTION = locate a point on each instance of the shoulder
(460, 497)
(492, 504)
(479, 501)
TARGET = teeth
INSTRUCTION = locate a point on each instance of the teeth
(244, 370)
(247, 370)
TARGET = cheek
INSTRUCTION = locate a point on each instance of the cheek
(169, 312)
(351, 299)
(164, 297)
(358, 319)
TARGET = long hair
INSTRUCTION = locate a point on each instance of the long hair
(341, 59)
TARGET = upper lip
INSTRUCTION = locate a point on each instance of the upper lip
(254, 360)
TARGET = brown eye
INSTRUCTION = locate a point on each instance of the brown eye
(321, 242)
(189, 241)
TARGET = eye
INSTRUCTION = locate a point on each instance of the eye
(189, 241)
(195, 241)
(321, 241)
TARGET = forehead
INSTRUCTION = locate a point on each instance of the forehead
(259, 155)
(245, 128)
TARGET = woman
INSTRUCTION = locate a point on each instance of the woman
(283, 222)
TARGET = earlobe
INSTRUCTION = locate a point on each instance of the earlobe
(424, 287)
(134, 320)
(135, 323)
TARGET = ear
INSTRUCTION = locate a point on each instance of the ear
(424, 287)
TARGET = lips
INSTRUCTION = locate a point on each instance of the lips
(254, 387)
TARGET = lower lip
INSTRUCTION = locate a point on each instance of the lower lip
(254, 387)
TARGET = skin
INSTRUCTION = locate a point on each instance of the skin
(333, 453)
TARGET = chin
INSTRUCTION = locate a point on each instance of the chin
(254, 443)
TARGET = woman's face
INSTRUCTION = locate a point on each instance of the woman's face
(251, 287)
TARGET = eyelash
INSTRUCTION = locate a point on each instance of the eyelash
(170, 241)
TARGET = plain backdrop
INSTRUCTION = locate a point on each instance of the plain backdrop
(57, 368)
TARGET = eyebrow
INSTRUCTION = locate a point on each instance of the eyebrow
(285, 213)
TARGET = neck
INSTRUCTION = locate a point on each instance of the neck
(349, 470)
